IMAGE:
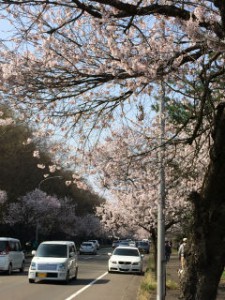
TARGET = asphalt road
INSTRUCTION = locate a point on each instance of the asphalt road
(93, 283)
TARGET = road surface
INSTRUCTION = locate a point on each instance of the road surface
(93, 283)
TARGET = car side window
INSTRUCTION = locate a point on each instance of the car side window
(12, 246)
(17, 246)
(71, 250)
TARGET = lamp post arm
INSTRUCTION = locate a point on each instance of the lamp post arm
(48, 178)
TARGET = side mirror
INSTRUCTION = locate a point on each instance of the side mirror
(109, 254)
(33, 252)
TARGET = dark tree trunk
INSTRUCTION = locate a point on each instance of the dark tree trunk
(206, 249)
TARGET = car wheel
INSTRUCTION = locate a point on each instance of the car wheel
(31, 280)
(22, 267)
(9, 272)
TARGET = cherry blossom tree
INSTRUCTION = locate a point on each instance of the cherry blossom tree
(34, 208)
(126, 165)
(49, 214)
(84, 64)
(89, 226)
(44, 213)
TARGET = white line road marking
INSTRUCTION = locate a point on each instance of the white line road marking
(86, 287)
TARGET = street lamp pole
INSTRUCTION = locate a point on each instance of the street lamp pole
(52, 177)
(161, 272)
(39, 187)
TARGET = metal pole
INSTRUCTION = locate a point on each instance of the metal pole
(161, 274)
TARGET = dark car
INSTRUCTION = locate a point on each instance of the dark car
(144, 247)
(115, 243)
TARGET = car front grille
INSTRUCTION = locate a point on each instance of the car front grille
(48, 267)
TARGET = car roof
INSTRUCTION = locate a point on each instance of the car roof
(58, 242)
(127, 247)
(87, 242)
(8, 239)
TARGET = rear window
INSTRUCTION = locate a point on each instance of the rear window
(124, 243)
(87, 244)
(52, 250)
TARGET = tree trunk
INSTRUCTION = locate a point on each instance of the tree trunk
(206, 249)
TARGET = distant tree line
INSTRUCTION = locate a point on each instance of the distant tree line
(20, 175)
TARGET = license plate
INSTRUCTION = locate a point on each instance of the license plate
(42, 275)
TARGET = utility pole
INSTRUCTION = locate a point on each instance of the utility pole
(161, 263)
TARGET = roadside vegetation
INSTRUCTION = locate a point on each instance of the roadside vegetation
(148, 286)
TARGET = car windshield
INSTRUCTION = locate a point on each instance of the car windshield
(126, 252)
(52, 250)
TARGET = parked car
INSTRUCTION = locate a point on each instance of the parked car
(127, 243)
(132, 243)
(88, 248)
(54, 260)
(125, 259)
(96, 242)
(11, 255)
(115, 244)
(124, 243)
(144, 247)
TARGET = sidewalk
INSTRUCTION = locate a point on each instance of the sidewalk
(171, 273)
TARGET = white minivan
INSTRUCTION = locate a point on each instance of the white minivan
(11, 255)
(54, 260)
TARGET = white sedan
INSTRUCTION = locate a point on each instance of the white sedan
(88, 248)
(126, 259)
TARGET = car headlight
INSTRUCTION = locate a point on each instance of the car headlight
(61, 267)
(33, 266)
(113, 261)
